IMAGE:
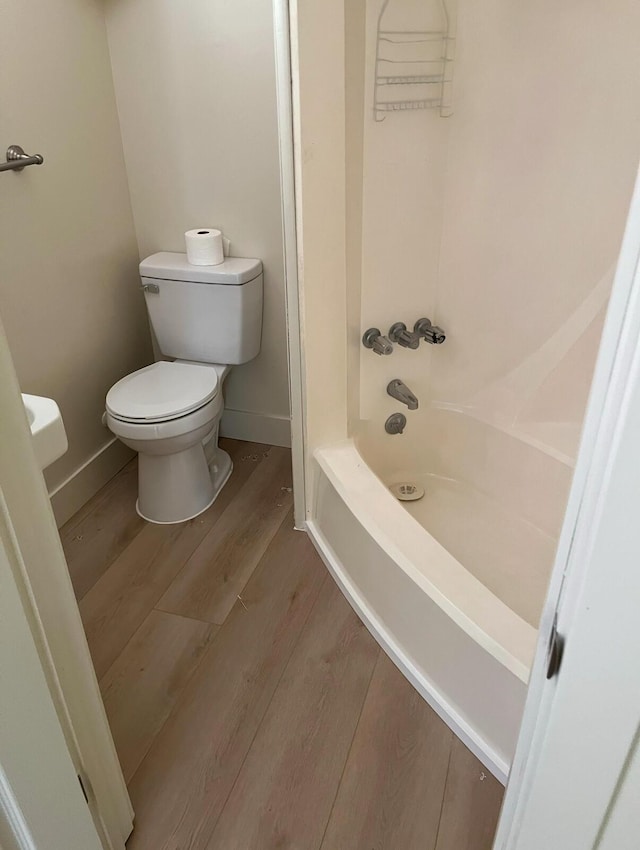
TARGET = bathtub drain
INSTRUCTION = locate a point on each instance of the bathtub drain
(407, 491)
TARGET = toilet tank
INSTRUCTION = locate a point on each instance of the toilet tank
(212, 314)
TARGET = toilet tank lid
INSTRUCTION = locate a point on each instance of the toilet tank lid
(170, 266)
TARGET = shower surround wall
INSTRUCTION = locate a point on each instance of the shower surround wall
(403, 184)
(196, 95)
(543, 149)
(503, 222)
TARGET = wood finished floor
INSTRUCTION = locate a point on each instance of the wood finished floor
(250, 708)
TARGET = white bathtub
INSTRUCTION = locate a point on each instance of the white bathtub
(465, 649)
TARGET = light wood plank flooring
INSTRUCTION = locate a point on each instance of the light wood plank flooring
(250, 707)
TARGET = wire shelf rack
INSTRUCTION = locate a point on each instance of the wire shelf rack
(414, 67)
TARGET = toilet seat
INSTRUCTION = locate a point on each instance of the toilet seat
(158, 432)
(162, 392)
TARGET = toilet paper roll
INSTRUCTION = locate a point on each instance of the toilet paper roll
(204, 247)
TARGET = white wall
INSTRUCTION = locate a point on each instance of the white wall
(69, 297)
(195, 87)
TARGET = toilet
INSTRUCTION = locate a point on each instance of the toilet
(206, 319)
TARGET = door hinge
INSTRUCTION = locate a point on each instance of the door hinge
(554, 650)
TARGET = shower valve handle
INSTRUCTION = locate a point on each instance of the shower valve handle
(428, 332)
(374, 340)
(396, 423)
(399, 333)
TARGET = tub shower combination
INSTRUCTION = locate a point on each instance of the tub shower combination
(488, 169)
(445, 549)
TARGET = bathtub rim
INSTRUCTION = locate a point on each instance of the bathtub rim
(478, 612)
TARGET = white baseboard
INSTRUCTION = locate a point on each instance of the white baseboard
(81, 485)
(256, 427)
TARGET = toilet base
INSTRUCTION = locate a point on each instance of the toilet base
(179, 487)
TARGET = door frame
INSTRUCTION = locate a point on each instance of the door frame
(41, 800)
(55, 618)
(290, 226)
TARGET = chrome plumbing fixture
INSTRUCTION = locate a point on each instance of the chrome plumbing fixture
(17, 159)
(401, 392)
(374, 340)
(428, 332)
(399, 333)
(396, 423)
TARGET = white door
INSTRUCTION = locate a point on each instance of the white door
(41, 801)
(575, 782)
(55, 622)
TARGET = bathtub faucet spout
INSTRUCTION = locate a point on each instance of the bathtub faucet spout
(398, 390)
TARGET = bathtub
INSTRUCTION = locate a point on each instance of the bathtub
(451, 586)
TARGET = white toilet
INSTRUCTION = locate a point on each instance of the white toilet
(208, 318)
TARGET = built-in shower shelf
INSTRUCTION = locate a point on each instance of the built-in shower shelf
(420, 59)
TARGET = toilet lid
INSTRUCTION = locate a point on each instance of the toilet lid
(162, 391)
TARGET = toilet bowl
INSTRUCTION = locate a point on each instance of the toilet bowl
(169, 413)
